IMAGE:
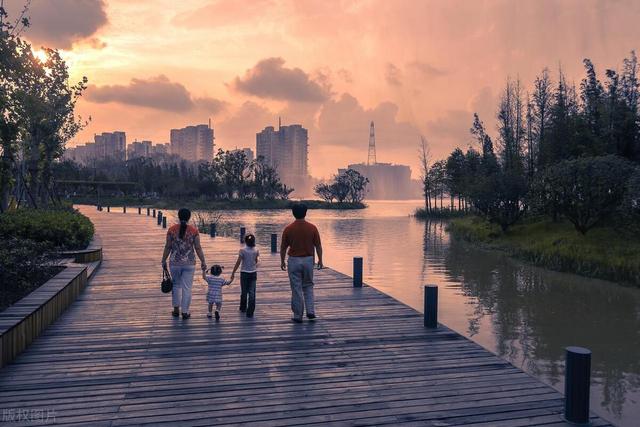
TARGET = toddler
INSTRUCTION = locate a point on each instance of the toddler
(214, 293)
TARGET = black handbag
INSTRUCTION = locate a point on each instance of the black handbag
(167, 283)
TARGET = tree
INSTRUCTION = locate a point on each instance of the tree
(455, 172)
(424, 155)
(324, 191)
(587, 190)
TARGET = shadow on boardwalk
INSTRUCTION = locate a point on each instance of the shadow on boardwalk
(117, 357)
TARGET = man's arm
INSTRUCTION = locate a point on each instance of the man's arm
(284, 244)
(318, 244)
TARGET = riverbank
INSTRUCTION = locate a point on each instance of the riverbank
(604, 252)
(215, 205)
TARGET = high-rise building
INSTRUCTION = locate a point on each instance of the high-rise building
(193, 143)
(139, 149)
(111, 145)
(286, 150)
(248, 153)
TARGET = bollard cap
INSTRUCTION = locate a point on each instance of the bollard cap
(578, 350)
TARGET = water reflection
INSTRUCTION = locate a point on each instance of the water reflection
(525, 314)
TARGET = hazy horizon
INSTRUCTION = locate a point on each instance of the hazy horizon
(413, 67)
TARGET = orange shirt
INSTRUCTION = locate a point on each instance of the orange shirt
(301, 237)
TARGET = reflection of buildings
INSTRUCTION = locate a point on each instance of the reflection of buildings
(386, 180)
(107, 145)
(193, 143)
(285, 149)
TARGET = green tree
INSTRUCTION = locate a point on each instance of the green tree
(587, 190)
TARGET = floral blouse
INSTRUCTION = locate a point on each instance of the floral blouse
(182, 250)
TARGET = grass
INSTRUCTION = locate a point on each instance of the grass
(604, 252)
(206, 204)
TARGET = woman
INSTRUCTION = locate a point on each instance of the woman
(182, 240)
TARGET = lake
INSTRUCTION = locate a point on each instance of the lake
(523, 313)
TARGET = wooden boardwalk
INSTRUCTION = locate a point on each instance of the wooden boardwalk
(117, 357)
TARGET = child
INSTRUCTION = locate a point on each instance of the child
(248, 257)
(214, 293)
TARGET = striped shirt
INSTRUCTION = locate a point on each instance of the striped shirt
(214, 293)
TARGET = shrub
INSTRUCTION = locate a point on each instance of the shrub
(24, 265)
(585, 190)
(630, 208)
(60, 228)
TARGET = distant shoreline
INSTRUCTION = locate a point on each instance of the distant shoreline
(213, 205)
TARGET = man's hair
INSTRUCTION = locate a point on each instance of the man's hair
(299, 210)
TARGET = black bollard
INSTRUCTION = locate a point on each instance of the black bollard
(124, 209)
(431, 306)
(97, 207)
(274, 243)
(159, 217)
(243, 231)
(164, 222)
(108, 208)
(139, 211)
(154, 213)
(212, 229)
(148, 211)
(577, 380)
(357, 272)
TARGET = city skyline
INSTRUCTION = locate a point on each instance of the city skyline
(412, 67)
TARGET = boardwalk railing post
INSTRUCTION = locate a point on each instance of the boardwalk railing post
(139, 211)
(148, 211)
(431, 306)
(164, 222)
(577, 379)
(124, 209)
(108, 208)
(154, 213)
(159, 217)
(357, 272)
(212, 229)
(243, 231)
(274, 243)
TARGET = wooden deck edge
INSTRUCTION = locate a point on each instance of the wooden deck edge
(45, 304)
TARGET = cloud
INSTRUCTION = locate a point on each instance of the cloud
(156, 92)
(453, 126)
(393, 75)
(270, 79)
(240, 128)
(60, 23)
(223, 13)
(425, 69)
(345, 122)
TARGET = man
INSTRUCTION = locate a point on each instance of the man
(301, 238)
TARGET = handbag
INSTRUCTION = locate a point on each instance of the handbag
(167, 284)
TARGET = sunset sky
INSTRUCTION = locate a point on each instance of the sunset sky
(412, 66)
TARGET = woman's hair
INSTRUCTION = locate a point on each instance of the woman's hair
(183, 215)
(250, 240)
(216, 270)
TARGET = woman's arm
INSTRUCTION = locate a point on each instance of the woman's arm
(200, 253)
(167, 251)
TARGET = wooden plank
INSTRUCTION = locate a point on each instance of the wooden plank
(117, 357)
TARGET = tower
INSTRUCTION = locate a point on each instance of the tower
(371, 159)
